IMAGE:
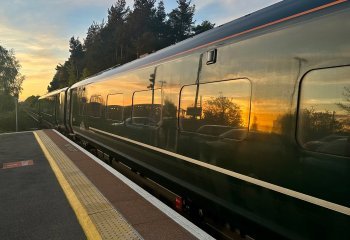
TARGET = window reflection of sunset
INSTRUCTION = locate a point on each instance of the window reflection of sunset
(115, 99)
(265, 114)
(325, 99)
(145, 97)
(225, 95)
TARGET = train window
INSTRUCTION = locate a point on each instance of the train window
(115, 107)
(95, 105)
(324, 111)
(146, 109)
(219, 109)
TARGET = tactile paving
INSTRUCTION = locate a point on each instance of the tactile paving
(108, 221)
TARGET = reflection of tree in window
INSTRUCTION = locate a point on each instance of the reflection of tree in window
(346, 107)
(169, 109)
(324, 124)
(222, 111)
(317, 125)
(346, 95)
(95, 106)
(80, 101)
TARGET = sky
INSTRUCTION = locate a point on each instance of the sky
(39, 30)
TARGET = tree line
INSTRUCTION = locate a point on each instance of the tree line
(10, 79)
(126, 35)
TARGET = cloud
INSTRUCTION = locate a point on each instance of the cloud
(200, 4)
(222, 11)
(39, 31)
(38, 55)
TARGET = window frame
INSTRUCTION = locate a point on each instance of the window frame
(133, 104)
(101, 106)
(179, 126)
(123, 107)
(298, 112)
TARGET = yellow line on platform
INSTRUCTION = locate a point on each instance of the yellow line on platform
(82, 215)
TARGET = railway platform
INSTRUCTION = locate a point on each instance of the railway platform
(51, 188)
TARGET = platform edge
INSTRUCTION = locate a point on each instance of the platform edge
(183, 222)
(88, 227)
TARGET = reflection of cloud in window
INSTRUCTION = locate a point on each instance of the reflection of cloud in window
(115, 99)
(179, 72)
(145, 97)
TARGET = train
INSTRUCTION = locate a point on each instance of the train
(248, 122)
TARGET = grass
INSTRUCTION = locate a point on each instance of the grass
(8, 122)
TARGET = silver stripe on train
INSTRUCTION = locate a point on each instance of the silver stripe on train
(273, 187)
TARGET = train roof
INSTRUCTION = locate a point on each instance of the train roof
(53, 93)
(281, 11)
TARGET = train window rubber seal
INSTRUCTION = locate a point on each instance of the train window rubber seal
(297, 126)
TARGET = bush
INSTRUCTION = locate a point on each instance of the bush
(7, 103)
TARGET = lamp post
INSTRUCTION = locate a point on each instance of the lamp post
(16, 110)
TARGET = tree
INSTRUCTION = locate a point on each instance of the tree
(162, 27)
(141, 27)
(169, 109)
(92, 35)
(10, 78)
(160, 13)
(61, 77)
(31, 101)
(93, 48)
(76, 59)
(117, 13)
(112, 34)
(72, 70)
(181, 20)
(222, 111)
(346, 94)
(86, 73)
(204, 26)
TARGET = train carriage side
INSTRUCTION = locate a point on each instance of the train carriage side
(255, 126)
(52, 109)
(62, 111)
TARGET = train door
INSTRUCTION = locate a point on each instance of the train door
(146, 110)
(213, 115)
(67, 111)
(170, 77)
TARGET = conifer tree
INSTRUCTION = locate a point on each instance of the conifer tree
(141, 27)
(76, 60)
(93, 47)
(204, 26)
(162, 28)
(61, 77)
(112, 34)
(181, 20)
